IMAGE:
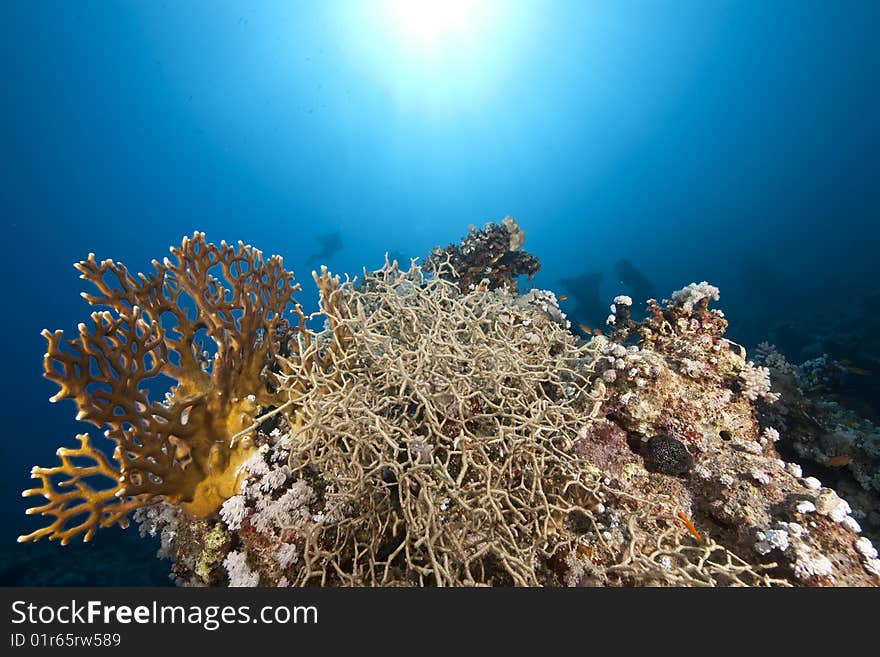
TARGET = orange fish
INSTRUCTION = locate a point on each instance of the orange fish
(562, 297)
(839, 461)
(586, 329)
(690, 527)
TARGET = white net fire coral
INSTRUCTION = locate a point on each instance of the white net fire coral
(434, 435)
(440, 446)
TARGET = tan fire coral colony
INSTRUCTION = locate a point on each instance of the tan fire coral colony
(441, 429)
(178, 448)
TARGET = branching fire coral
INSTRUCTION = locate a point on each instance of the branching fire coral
(177, 448)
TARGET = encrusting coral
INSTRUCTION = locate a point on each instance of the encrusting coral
(443, 429)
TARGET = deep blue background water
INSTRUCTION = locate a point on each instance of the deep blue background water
(730, 141)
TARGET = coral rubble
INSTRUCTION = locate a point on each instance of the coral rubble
(442, 429)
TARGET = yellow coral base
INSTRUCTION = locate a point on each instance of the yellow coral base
(219, 484)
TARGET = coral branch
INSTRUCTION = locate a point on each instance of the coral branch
(177, 448)
(91, 507)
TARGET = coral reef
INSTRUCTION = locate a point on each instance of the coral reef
(443, 429)
(487, 258)
(685, 379)
(826, 437)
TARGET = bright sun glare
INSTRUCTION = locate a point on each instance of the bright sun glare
(434, 55)
(435, 24)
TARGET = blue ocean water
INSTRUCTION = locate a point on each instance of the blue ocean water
(640, 145)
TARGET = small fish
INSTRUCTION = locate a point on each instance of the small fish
(689, 525)
(839, 461)
(562, 297)
(597, 331)
(586, 329)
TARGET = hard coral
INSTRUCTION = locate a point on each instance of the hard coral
(439, 446)
(828, 438)
(490, 258)
(177, 449)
